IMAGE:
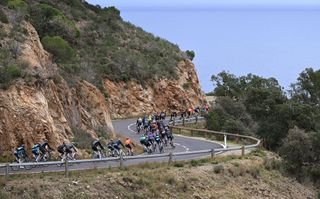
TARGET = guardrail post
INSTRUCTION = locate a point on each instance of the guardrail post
(183, 121)
(7, 170)
(170, 158)
(192, 133)
(121, 160)
(196, 119)
(212, 153)
(225, 141)
(242, 151)
(66, 168)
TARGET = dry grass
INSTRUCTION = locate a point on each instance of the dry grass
(223, 177)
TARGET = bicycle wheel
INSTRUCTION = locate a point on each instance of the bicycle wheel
(27, 167)
(15, 168)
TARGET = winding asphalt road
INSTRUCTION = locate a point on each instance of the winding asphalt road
(183, 143)
(126, 128)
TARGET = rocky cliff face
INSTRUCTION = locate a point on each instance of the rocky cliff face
(132, 99)
(41, 104)
(38, 108)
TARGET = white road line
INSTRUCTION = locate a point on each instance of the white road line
(129, 128)
(186, 148)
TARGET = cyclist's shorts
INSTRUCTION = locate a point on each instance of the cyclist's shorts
(116, 147)
(128, 146)
(94, 148)
(20, 153)
(60, 150)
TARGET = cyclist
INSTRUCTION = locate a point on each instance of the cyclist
(173, 115)
(145, 143)
(71, 151)
(62, 150)
(110, 147)
(151, 139)
(170, 136)
(20, 154)
(139, 124)
(36, 152)
(45, 150)
(129, 145)
(145, 120)
(197, 110)
(117, 146)
(159, 142)
(163, 115)
(97, 148)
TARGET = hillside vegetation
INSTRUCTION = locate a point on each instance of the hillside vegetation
(87, 42)
(255, 176)
(287, 122)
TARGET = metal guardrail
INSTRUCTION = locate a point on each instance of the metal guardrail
(121, 160)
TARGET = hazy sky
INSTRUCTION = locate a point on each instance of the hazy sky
(271, 38)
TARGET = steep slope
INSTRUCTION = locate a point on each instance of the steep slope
(64, 64)
(40, 104)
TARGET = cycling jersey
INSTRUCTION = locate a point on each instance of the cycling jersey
(97, 144)
(36, 149)
(43, 146)
(117, 144)
(20, 152)
(70, 148)
(128, 142)
(157, 139)
(150, 136)
(61, 148)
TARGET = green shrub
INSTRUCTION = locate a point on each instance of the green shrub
(8, 74)
(171, 180)
(218, 169)
(49, 20)
(190, 54)
(82, 139)
(254, 171)
(272, 164)
(4, 2)
(258, 152)
(196, 163)
(17, 4)
(60, 48)
(187, 85)
(3, 17)
(178, 164)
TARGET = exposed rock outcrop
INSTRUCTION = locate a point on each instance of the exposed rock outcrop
(42, 108)
(132, 99)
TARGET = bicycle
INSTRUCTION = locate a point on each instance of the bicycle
(23, 159)
(129, 151)
(139, 128)
(119, 152)
(98, 154)
(160, 146)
